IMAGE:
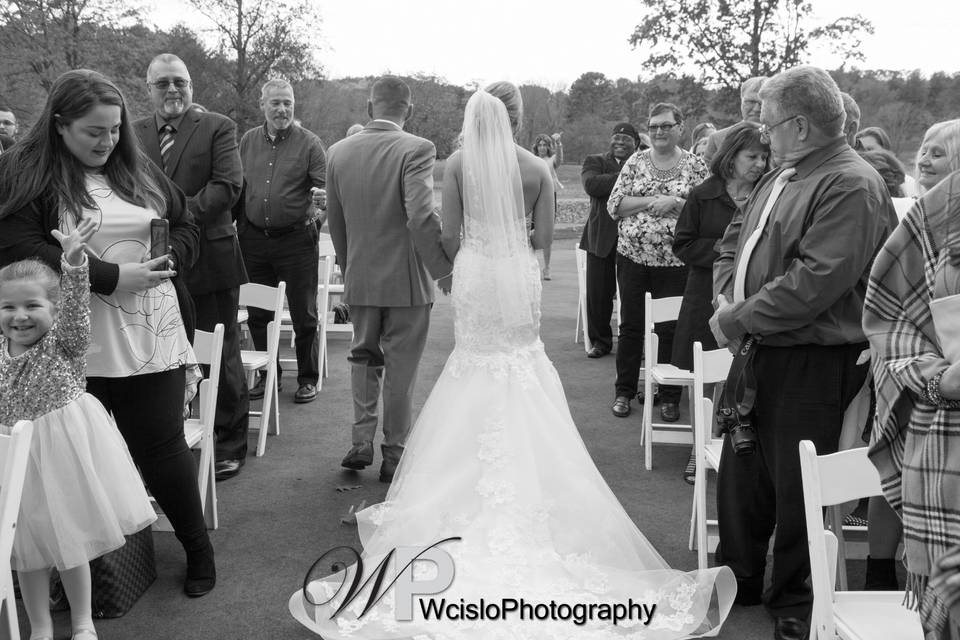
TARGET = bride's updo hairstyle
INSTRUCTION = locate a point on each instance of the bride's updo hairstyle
(509, 95)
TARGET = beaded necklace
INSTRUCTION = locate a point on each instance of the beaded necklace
(664, 175)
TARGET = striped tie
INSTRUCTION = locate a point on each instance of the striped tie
(166, 143)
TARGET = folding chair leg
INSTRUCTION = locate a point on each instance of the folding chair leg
(647, 422)
(210, 498)
(8, 608)
(692, 540)
(270, 397)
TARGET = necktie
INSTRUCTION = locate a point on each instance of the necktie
(740, 276)
(166, 143)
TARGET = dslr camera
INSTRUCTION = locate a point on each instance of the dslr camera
(740, 430)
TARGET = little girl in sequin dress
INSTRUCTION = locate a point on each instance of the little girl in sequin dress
(82, 493)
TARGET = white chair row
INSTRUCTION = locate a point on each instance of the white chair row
(852, 615)
(199, 432)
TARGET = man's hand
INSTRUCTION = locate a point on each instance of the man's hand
(446, 284)
(722, 340)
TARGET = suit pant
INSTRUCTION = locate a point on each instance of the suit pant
(387, 345)
(233, 402)
(802, 392)
(293, 258)
(601, 289)
(635, 281)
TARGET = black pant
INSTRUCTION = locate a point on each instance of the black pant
(802, 393)
(635, 281)
(148, 410)
(293, 258)
(601, 289)
(233, 401)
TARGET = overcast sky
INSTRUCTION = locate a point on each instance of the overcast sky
(552, 42)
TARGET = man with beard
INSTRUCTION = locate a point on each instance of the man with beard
(198, 151)
(599, 240)
(279, 227)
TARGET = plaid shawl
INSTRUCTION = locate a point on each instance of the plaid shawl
(916, 445)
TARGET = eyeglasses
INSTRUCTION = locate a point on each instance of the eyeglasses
(661, 127)
(163, 85)
(765, 129)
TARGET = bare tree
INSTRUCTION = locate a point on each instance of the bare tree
(263, 39)
(732, 40)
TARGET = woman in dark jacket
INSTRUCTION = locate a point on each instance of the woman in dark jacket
(737, 166)
(82, 160)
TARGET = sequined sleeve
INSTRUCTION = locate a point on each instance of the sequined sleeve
(73, 319)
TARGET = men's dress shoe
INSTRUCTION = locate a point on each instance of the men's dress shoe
(359, 457)
(670, 411)
(597, 352)
(225, 469)
(790, 629)
(387, 469)
(201, 574)
(621, 407)
(256, 393)
(306, 393)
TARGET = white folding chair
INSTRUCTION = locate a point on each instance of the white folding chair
(709, 367)
(658, 310)
(198, 432)
(581, 298)
(581, 328)
(328, 289)
(14, 453)
(852, 615)
(269, 299)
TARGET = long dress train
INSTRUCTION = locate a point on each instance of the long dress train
(495, 458)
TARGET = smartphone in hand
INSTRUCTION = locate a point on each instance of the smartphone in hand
(159, 239)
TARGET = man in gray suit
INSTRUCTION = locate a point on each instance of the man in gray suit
(386, 234)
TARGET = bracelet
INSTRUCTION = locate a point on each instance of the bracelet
(933, 394)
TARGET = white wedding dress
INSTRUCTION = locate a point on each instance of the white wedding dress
(496, 459)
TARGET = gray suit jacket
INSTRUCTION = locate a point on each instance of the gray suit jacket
(381, 217)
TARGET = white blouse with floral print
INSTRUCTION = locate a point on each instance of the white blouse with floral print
(647, 238)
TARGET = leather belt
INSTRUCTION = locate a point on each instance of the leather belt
(275, 232)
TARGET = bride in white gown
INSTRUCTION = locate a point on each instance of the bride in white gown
(495, 457)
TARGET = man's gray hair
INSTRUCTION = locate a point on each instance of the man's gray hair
(752, 84)
(809, 92)
(167, 58)
(275, 83)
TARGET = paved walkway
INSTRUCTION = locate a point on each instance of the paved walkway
(283, 511)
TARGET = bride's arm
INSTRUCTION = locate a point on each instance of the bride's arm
(452, 201)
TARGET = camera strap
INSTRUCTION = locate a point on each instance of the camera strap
(740, 392)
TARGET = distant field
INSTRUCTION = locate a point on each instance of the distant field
(573, 203)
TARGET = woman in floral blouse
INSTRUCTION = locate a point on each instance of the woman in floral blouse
(646, 199)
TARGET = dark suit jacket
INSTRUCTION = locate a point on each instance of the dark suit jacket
(205, 164)
(598, 175)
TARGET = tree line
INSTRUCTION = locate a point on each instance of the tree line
(259, 39)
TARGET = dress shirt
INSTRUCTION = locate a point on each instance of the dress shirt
(808, 273)
(173, 122)
(279, 174)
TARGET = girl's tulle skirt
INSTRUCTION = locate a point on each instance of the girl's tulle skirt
(82, 492)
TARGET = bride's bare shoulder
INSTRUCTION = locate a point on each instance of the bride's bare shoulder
(530, 165)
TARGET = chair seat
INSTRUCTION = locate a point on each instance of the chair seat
(712, 454)
(254, 359)
(668, 374)
(335, 288)
(242, 316)
(875, 614)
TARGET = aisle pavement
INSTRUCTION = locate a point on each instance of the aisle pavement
(284, 510)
